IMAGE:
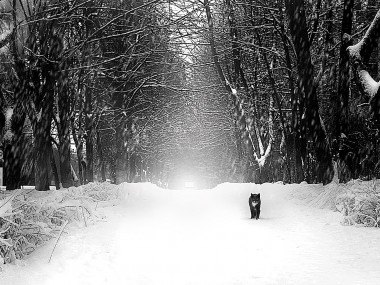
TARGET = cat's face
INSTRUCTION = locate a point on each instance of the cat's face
(255, 198)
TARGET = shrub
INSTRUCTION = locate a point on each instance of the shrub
(360, 205)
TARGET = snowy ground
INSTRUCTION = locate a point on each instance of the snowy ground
(158, 236)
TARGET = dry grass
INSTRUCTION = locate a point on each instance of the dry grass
(30, 218)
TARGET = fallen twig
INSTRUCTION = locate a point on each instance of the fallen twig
(59, 235)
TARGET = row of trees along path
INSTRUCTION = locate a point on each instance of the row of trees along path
(147, 90)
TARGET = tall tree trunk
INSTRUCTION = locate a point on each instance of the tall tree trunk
(89, 11)
(43, 151)
(316, 133)
(235, 45)
(81, 165)
(14, 151)
(331, 78)
(101, 162)
(64, 139)
(2, 116)
(89, 137)
(294, 150)
(342, 128)
(55, 168)
(77, 137)
(132, 168)
(121, 156)
(42, 129)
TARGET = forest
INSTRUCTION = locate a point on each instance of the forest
(223, 90)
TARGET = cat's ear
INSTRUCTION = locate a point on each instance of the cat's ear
(258, 195)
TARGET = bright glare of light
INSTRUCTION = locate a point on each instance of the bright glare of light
(186, 181)
(189, 184)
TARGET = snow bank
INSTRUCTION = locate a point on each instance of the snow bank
(358, 201)
(28, 219)
(317, 195)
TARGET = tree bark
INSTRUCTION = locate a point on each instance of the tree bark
(316, 133)
(101, 162)
(89, 137)
(77, 137)
(89, 12)
(342, 127)
(64, 138)
(294, 148)
(42, 131)
(56, 168)
(14, 152)
(43, 154)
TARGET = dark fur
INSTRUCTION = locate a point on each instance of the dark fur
(255, 204)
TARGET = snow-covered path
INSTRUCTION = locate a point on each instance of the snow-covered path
(205, 237)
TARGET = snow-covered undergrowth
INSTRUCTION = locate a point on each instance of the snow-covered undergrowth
(358, 201)
(30, 218)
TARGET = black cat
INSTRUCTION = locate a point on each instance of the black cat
(255, 204)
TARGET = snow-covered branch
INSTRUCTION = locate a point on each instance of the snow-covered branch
(359, 55)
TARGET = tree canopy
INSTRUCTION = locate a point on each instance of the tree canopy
(223, 90)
